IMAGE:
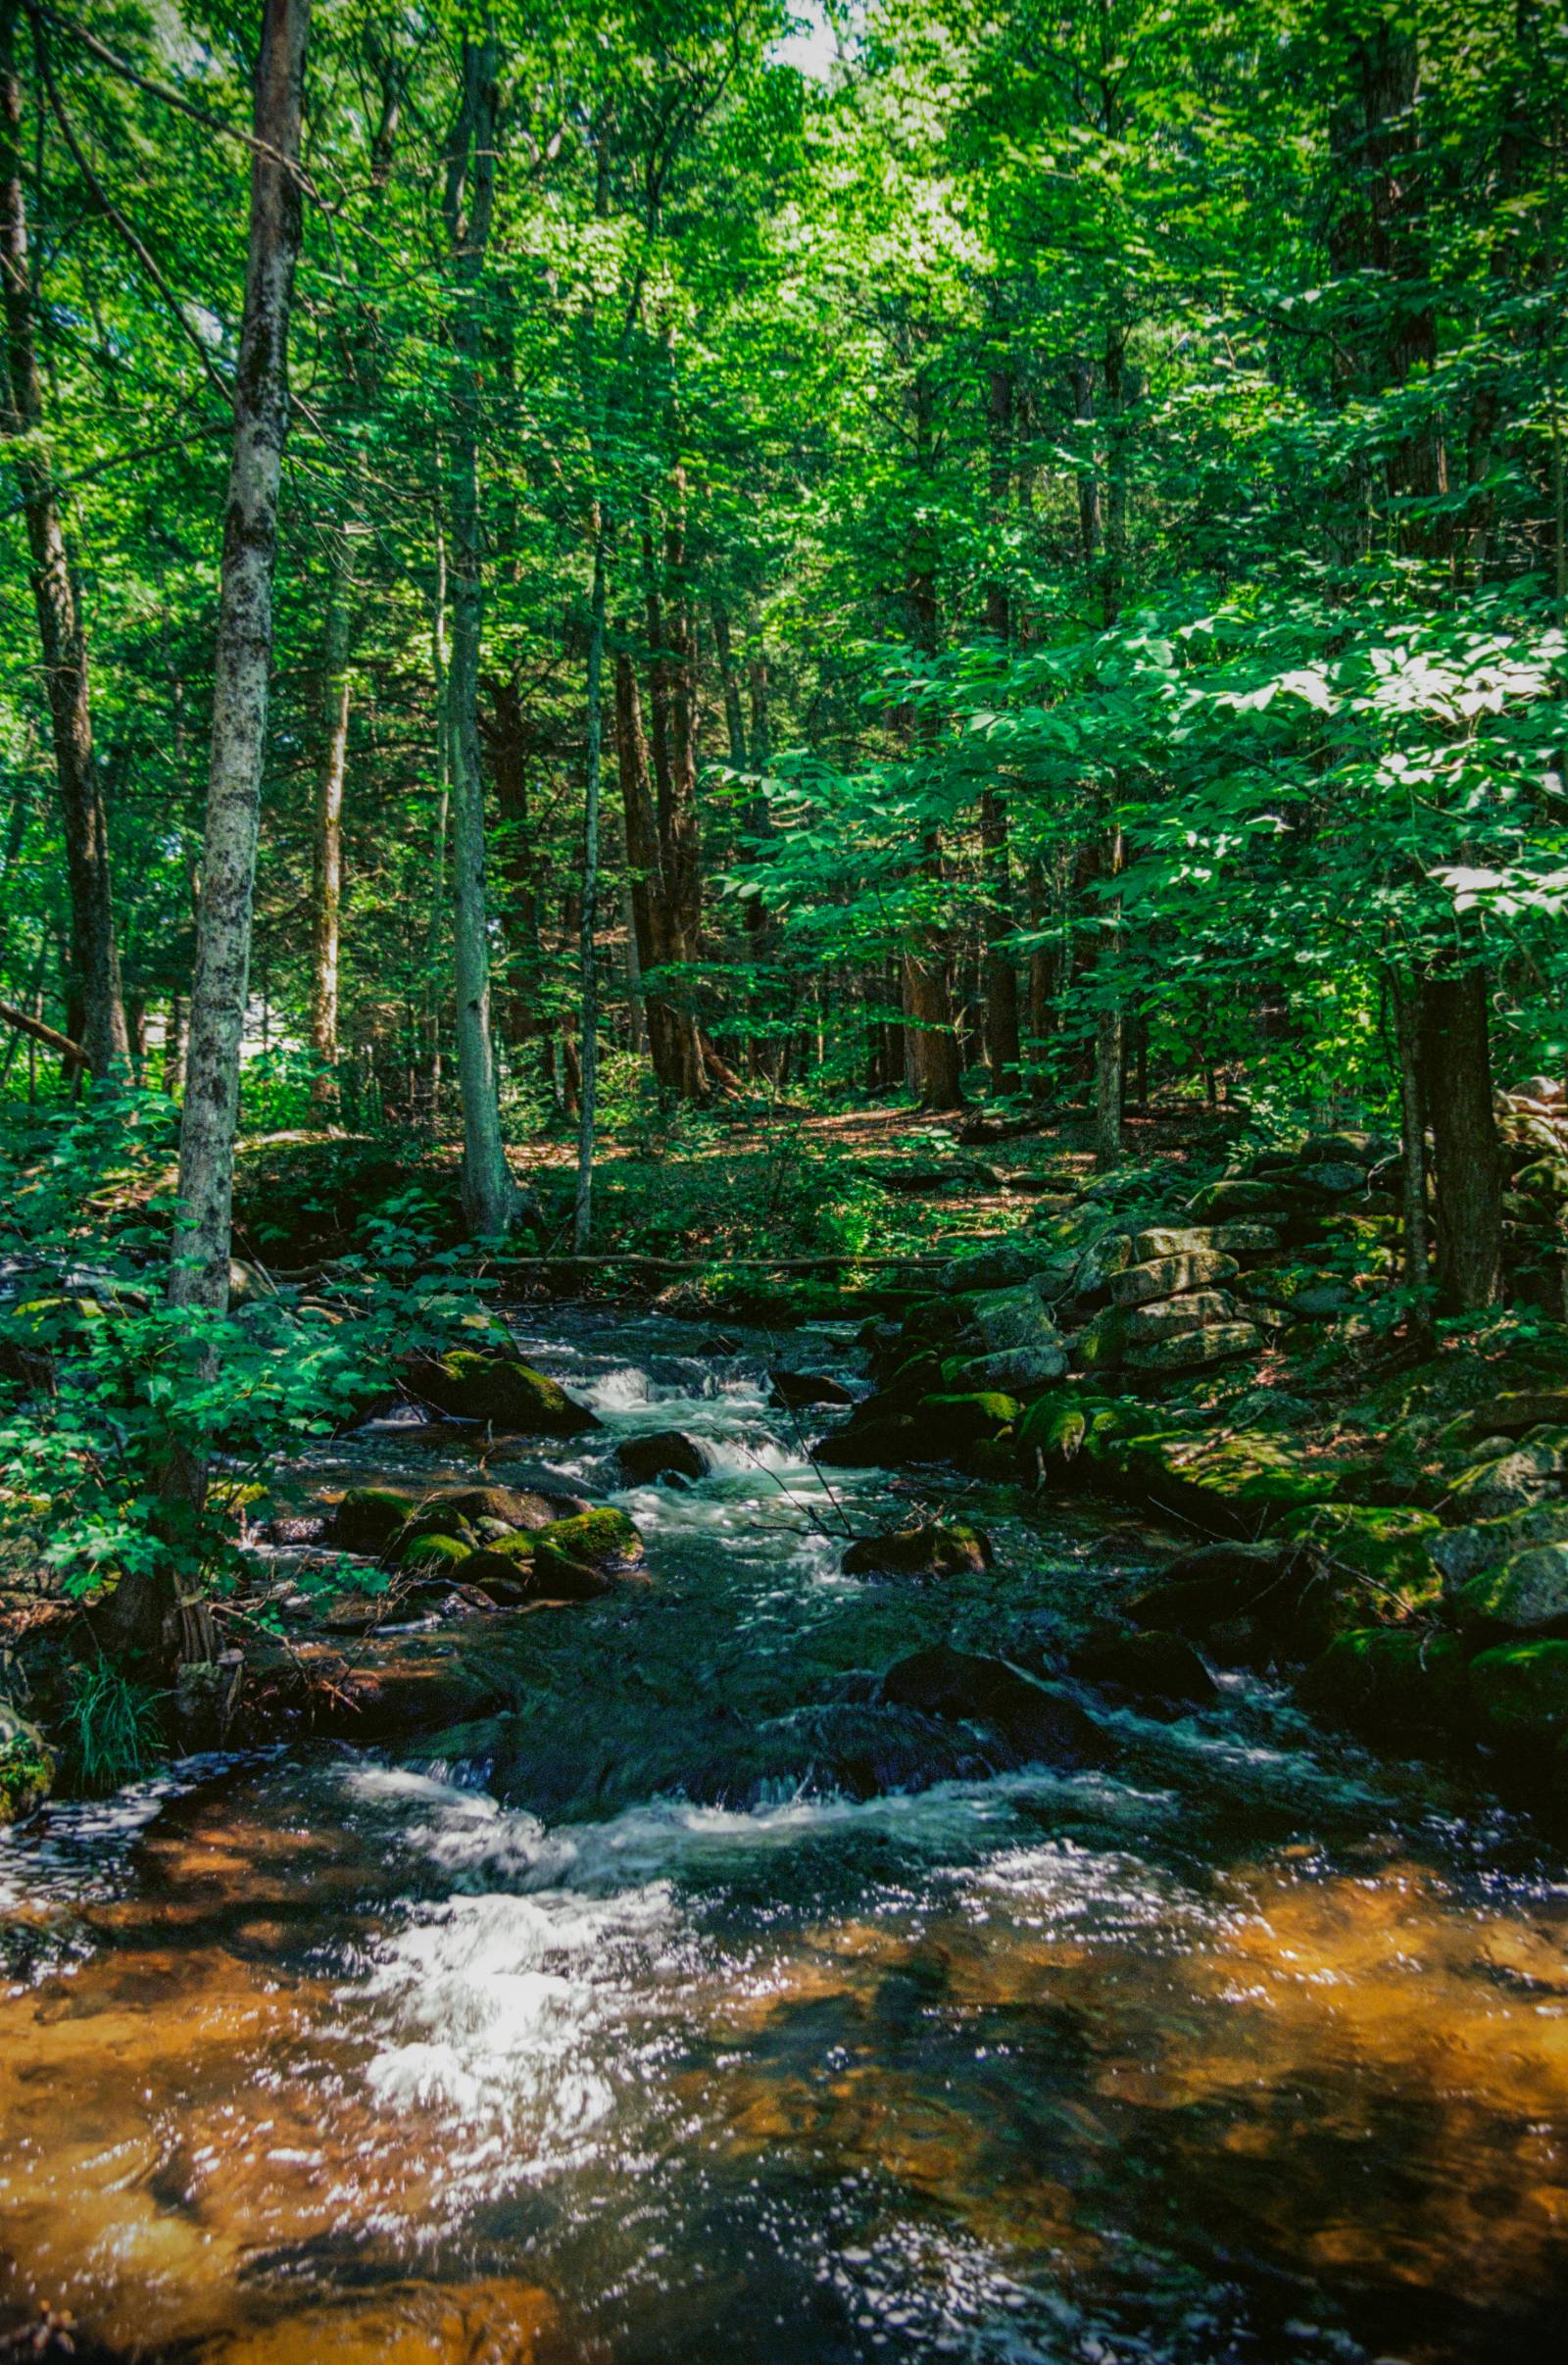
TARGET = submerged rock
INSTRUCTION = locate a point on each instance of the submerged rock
(500, 1389)
(1035, 1719)
(945, 1551)
(795, 1390)
(1160, 1671)
(665, 1454)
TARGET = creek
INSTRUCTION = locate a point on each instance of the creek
(698, 2006)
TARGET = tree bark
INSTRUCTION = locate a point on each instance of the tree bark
(1467, 1167)
(677, 880)
(93, 985)
(1405, 996)
(326, 882)
(199, 1273)
(489, 1194)
(583, 1207)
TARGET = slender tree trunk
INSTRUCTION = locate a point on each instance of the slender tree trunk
(1108, 1028)
(489, 1194)
(583, 1210)
(199, 1266)
(327, 883)
(1457, 1086)
(676, 881)
(432, 1111)
(1405, 996)
(199, 1275)
(93, 993)
(1003, 1052)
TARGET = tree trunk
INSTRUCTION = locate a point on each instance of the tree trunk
(583, 1210)
(199, 1267)
(1457, 1086)
(1405, 996)
(199, 1275)
(489, 1194)
(1109, 1029)
(439, 669)
(93, 986)
(326, 882)
(676, 883)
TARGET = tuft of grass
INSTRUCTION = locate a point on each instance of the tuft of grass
(112, 1734)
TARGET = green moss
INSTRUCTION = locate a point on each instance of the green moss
(950, 1550)
(950, 1425)
(601, 1543)
(26, 1766)
(1529, 1589)
(1390, 1549)
(1519, 1691)
(433, 1553)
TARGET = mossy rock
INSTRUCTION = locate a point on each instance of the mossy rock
(1195, 1348)
(502, 1391)
(1170, 1276)
(26, 1766)
(884, 1441)
(950, 1548)
(513, 1506)
(1233, 1198)
(1233, 1483)
(1102, 1342)
(1383, 1679)
(1055, 1429)
(1527, 1593)
(1390, 1549)
(1519, 1691)
(370, 1519)
(1464, 1553)
(576, 1560)
(949, 1425)
(434, 1553)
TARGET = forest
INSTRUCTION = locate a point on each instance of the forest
(783, 1114)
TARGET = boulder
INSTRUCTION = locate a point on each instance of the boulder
(1335, 1176)
(1517, 1411)
(1159, 1670)
(663, 1453)
(513, 1507)
(1229, 1239)
(947, 1425)
(1519, 1691)
(1102, 1342)
(1237, 1200)
(434, 1553)
(1170, 1315)
(1019, 1371)
(370, 1519)
(1035, 1719)
(1101, 1263)
(1192, 1349)
(794, 1391)
(951, 1548)
(1012, 1320)
(1043, 1263)
(1054, 1430)
(500, 1389)
(1348, 1147)
(1510, 1482)
(1354, 1567)
(1462, 1552)
(577, 1559)
(1379, 1679)
(1528, 1593)
(1169, 1276)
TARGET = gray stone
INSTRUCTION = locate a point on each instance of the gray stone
(1169, 1276)
(1464, 1552)
(1333, 1177)
(1528, 1593)
(1168, 1315)
(1189, 1350)
(1018, 1367)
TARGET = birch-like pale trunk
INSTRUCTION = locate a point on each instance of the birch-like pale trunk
(94, 972)
(199, 1273)
(326, 873)
(489, 1194)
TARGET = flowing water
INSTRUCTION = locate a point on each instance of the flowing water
(699, 2008)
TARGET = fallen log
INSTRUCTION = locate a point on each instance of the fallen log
(71, 1053)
